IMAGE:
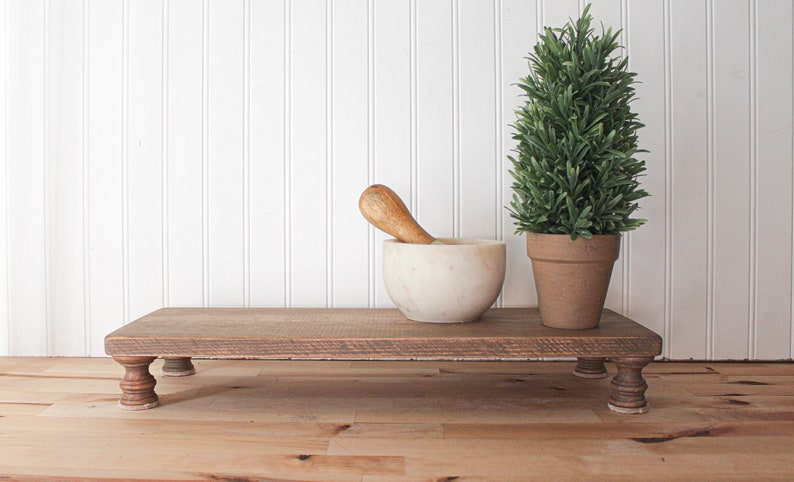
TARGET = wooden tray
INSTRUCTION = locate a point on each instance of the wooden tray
(179, 334)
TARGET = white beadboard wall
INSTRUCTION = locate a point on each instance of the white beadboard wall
(211, 153)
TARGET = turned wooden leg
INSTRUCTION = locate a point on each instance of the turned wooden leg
(590, 368)
(137, 385)
(178, 367)
(628, 386)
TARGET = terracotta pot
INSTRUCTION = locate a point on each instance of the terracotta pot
(572, 277)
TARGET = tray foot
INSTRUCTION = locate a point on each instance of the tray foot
(178, 367)
(137, 385)
(590, 368)
(628, 386)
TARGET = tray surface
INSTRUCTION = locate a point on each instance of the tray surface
(364, 334)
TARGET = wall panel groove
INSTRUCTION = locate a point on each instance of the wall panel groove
(46, 163)
(125, 153)
(516, 43)
(329, 156)
(626, 267)
(610, 13)
(393, 55)
(753, 180)
(247, 154)
(288, 153)
(499, 153)
(267, 153)
(414, 176)
(668, 175)
(371, 173)
(456, 181)
(84, 188)
(65, 169)
(773, 150)
(172, 152)
(5, 326)
(84, 194)
(164, 214)
(710, 188)
(205, 143)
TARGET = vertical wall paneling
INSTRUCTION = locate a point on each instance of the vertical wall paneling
(646, 38)
(752, 294)
(165, 162)
(125, 158)
(205, 152)
(627, 242)
(247, 153)
(731, 166)
(183, 100)
(65, 173)
(266, 154)
(104, 125)
(608, 13)
(349, 151)
(172, 152)
(329, 152)
(308, 142)
(26, 167)
(5, 341)
(519, 35)
(456, 181)
(689, 177)
(499, 127)
(774, 146)
(84, 168)
(46, 166)
(413, 30)
(225, 163)
(434, 117)
(557, 13)
(711, 176)
(144, 154)
(668, 170)
(371, 263)
(392, 117)
(287, 100)
(476, 114)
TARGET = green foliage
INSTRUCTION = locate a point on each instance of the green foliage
(575, 172)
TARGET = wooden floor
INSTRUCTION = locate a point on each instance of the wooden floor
(387, 421)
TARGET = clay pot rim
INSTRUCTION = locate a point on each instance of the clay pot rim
(532, 233)
(558, 248)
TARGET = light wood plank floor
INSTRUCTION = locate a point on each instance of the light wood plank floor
(386, 421)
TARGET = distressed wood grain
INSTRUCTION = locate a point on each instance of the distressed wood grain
(361, 334)
(178, 334)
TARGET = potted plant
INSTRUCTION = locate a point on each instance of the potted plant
(575, 171)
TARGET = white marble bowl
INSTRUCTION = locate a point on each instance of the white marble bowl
(454, 282)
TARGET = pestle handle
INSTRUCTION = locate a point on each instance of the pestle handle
(384, 209)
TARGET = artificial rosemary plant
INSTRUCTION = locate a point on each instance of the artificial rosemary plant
(575, 171)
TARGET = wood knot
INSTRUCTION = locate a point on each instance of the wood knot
(673, 436)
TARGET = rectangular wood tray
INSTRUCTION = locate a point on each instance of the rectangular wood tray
(179, 334)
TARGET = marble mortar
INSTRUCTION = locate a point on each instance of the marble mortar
(454, 282)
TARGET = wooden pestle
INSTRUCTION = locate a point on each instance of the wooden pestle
(384, 209)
